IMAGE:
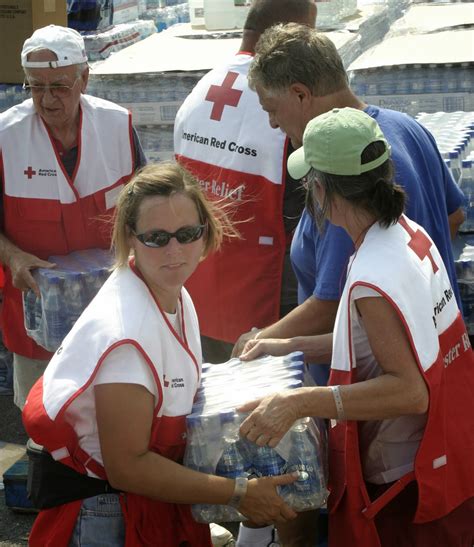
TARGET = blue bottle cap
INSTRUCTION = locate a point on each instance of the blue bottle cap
(205, 367)
(193, 420)
(296, 365)
(294, 384)
(295, 356)
(227, 416)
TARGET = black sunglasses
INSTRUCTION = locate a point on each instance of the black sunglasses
(161, 238)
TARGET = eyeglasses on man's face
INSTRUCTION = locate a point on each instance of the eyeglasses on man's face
(57, 89)
(161, 238)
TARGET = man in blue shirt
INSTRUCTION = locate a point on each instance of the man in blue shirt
(295, 92)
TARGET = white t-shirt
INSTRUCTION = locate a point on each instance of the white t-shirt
(175, 321)
(387, 447)
(123, 365)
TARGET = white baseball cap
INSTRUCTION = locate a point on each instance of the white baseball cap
(66, 43)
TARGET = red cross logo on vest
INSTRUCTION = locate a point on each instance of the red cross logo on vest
(223, 95)
(29, 172)
(419, 244)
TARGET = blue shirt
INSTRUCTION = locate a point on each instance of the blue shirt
(320, 259)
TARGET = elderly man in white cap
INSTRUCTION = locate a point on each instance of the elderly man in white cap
(63, 158)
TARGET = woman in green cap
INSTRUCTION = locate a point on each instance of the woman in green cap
(402, 368)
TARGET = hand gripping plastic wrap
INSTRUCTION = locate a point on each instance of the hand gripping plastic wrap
(66, 291)
(214, 445)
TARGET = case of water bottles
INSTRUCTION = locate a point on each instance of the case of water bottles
(100, 44)
(66, 291)
(214, 445)
(454, 135)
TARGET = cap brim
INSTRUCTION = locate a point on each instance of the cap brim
(297, 166)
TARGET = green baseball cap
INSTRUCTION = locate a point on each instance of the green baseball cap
(333, 143)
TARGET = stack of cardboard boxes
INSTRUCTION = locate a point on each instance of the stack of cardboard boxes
(18, 20)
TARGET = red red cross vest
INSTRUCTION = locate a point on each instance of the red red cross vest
(48, 213)
(223, 137)
(404, 266)
(117, 316)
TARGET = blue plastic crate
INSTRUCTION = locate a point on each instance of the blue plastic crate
(14, 480)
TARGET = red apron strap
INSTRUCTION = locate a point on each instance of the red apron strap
(373, 508)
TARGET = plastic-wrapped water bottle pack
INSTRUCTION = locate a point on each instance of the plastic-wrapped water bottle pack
(100, 44)
(454, 135)
(214, 445)
(66, 291)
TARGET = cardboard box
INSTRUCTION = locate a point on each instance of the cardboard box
(18, 20)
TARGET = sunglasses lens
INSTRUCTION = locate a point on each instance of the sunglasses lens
(188, 235)
(157, 239)
(161, 238)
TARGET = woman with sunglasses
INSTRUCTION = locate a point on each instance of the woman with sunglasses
(113, 400)
(402, 370)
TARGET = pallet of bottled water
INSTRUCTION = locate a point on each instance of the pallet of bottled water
(214, 445)
(100, 44)
(66, 291)
(454, 135)
(166, 16)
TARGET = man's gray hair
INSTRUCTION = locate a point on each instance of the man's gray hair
(293, 53)
(80, 69)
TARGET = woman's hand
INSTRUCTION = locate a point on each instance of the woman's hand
(271, 346)
(262, 505)
(270, 418)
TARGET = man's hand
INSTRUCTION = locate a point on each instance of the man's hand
(21, 264)
(243, 339)
(268, 346)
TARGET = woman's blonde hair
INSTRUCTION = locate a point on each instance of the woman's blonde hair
(165, 179)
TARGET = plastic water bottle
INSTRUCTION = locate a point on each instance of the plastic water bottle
(455, 165)
(466, 184)
(232, 463)
(53, 313)
(31, 310)
(267, 462)
(74, 298)
(196, 457)
(417, 79)
(306, 492)
(95, 279)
